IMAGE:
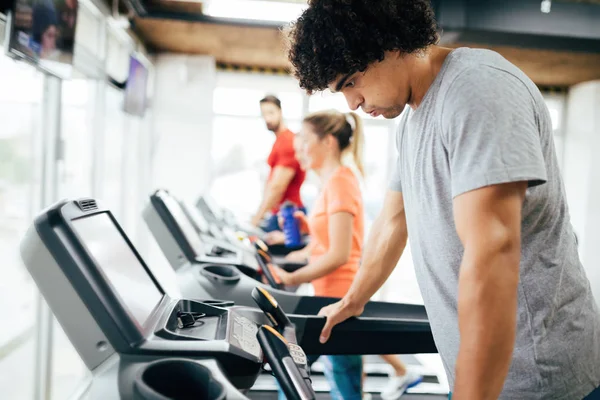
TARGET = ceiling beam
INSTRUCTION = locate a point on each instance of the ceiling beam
(253, 46)
(264, 47)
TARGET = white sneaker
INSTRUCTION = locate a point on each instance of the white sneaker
(399, 384)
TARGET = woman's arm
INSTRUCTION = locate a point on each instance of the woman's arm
(338, 254)
(302, 254)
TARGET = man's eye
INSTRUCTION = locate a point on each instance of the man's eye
(350, 84)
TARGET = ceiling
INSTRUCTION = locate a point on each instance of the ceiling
(180, 27)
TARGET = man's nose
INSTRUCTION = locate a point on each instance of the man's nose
(354, 101)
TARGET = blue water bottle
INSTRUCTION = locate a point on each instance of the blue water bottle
(291, 228)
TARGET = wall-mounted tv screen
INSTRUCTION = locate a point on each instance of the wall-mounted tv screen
(43, 32)
(136, 87)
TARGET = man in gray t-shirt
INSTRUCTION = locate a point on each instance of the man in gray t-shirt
(476, 187)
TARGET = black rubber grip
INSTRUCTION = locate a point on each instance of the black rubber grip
(294, 382)
(271, 308)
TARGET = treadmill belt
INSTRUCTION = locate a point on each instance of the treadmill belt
(323, 396)
(406, 358)
(377, 377)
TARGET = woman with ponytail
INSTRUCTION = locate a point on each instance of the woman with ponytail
(336, 226)
(332, 144)
(336, 221)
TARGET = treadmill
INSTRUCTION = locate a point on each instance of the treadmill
(230, 226)
(206, 225)
(197, 280)
(141, 344)
(203, 279)
(239, 239)
(224, 219)
(204, 247)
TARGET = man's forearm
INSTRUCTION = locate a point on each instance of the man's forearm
(382, 252)
(487, 308)
(272, 197)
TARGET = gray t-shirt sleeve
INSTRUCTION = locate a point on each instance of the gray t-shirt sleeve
(490, 129)
(395, 182)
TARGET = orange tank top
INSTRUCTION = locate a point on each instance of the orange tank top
(341, 193)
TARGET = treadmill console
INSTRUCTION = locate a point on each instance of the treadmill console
(183, 236)
(108, 297)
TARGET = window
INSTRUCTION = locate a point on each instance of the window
(75, 180)
(240, 147)
(246, 102)
(376, 155)
(241, 142)
(75, 172)
(20, 181)
(556, 107)
(114, 130)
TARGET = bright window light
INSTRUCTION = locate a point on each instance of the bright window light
(254, 10)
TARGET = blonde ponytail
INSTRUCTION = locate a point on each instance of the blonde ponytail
(357, 142)
(346, 128)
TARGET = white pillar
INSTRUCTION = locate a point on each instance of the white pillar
(582, 174)
(182, 123)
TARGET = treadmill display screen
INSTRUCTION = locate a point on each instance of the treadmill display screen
(184, 224)
(214, 209)
(131, 282)
(197, 218)
(206, 210)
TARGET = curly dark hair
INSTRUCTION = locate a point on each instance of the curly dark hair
(334, 37)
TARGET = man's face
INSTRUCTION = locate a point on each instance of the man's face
(382, 89)
(49, 38)
(272, 116)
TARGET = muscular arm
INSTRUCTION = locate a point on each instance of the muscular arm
(340, 244)
(382, 252)
(274, 190)
(488, 222)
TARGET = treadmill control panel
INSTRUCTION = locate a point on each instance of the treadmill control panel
(297, 354)
(242, 334)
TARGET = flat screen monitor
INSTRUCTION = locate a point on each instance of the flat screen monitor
(216, 210)
(206, 210)
(196, 217)
(43, 33)
(190, 234)
(129, 279)
(135, 88)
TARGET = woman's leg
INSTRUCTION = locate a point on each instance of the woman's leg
(344, 374)
(402, 379)
(396, 363)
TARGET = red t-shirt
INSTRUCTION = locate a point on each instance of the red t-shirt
(282, 154)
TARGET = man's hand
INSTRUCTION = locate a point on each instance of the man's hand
(275, 237)
(337, 313)
(256, 220)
